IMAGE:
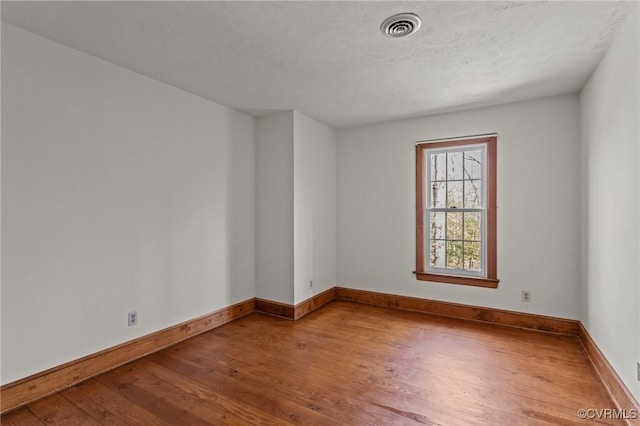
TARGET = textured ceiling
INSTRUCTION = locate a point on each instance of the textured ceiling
(329, 59)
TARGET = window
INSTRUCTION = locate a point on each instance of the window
(456, 211)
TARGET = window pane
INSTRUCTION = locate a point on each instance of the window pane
(454, 194)
(454, 165)
(472, 225)
(437, 254)
(472, 254)
(454, 254)
(438, 166)
(438, 194)
(454, 226)
(472, 194)
(436, 225)
(473, 164)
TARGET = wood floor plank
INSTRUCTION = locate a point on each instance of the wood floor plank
(357, 385)
(344, 401)
(21, 417)
(57, 409)
(525, 389)
(344, 363)
(170, 406)
(341, 406)
(323, 390)
(368, 382)
(494, 357)
(227, 403)
(117, 404)
(182, 402)
(348, 361)
(105, 417)
(255, 394)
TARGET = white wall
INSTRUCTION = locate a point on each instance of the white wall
(610, 135)
(296, 207)
(274, 207)
(314, 203)
(537, 205)
(119, 193)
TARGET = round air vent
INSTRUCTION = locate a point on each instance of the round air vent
(400, 25)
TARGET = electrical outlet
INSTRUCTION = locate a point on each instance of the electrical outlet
(310, 283)
(639, 371)
(526, 296)
(133, 318)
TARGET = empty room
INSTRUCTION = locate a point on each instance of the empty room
(304, 212)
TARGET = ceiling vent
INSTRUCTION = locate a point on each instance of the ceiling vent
(400, 25)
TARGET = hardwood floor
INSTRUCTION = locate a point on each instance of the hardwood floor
(345, 363)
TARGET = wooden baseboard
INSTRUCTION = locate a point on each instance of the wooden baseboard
(278, 309)
(313, 303)
(29, 389)
(622, 397)
(284, 310)
(455, 310)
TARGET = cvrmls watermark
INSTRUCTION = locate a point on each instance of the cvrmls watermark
(608, 413)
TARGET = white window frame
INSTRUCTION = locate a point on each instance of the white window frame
(482, 210)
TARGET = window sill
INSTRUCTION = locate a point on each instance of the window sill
(457, 279)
